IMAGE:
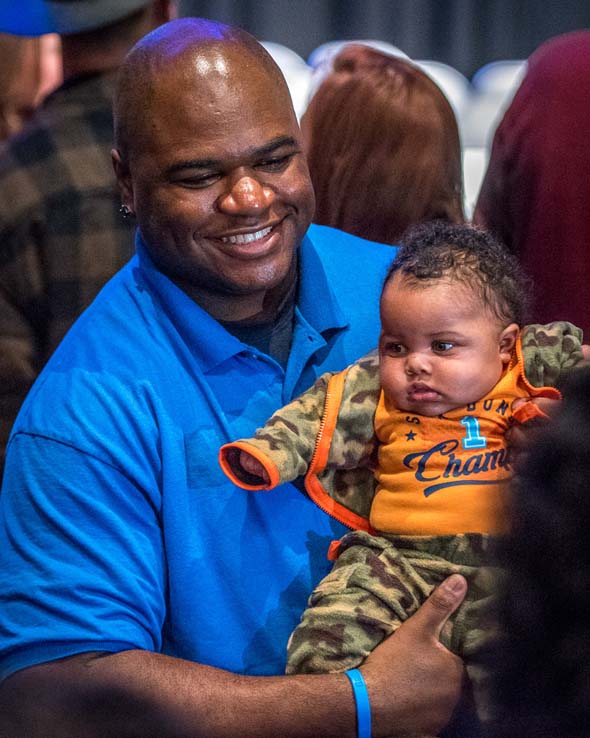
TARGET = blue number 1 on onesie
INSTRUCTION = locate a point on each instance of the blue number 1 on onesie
(473, 438)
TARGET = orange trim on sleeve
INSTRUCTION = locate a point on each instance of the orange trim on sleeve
(333, 550)
(225, 453)
(528, 411)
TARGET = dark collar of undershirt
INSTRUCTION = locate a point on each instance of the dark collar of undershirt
(270, 336)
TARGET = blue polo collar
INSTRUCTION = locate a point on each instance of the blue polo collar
(210, 343)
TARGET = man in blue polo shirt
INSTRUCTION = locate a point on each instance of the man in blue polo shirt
(129, 565)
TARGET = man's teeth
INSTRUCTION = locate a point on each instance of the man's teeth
(247, 237)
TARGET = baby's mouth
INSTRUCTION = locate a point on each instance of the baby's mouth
(422, 393)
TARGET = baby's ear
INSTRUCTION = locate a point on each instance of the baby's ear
(508, 341)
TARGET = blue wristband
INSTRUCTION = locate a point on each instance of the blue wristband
(363, 706)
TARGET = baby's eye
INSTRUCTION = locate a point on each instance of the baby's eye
(394, 349)
(442, 346)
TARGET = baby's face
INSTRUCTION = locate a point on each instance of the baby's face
(440, 347)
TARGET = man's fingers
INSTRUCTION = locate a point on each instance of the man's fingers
(442, 603)
(413, 680)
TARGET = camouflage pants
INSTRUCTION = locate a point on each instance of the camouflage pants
(377, 583)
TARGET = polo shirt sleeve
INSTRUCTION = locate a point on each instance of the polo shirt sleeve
(86, 542)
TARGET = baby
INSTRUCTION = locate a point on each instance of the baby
(408, 447)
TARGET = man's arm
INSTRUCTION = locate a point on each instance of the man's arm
(413, 682)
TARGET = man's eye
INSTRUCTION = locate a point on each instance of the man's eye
(198, 181)
(275, 164)
(442, 346)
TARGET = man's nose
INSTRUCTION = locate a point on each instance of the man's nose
(246, 196)
(417, 364)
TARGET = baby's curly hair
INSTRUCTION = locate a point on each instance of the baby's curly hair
(471, 256)
(541, 668)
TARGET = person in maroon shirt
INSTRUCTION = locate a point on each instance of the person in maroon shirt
(536, 193)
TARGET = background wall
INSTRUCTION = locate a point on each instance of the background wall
(463, 33)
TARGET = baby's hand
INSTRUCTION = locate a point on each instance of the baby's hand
(253, 466)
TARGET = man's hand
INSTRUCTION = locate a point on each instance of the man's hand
(413, 682)
(424, 679)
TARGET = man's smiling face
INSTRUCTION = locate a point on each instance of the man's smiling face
(217, 178)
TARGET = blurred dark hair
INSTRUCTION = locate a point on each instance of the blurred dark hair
(542, 666)
(469, 255)
(383, 147)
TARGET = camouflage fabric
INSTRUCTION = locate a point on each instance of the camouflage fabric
(379, 581)
(290, 438)
(549, 351)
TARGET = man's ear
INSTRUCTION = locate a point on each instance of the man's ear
(508, 341)
(123, 180)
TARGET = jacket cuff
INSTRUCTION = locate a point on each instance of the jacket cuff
(229, 461)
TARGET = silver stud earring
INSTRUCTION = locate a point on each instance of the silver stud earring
(125, 211)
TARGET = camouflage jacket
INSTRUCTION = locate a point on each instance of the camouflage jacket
(327, 433)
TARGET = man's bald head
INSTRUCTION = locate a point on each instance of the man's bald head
(210, 160)
(206, 57)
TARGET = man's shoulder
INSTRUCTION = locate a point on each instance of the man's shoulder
(327, 238)
(101, 349)
(344, 263)
(340, 250)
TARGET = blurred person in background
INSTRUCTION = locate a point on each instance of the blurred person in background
(51, 64)
(61, 234)
(542, 668)
(383, 147)
(20, 79)
(30, 68)
(536, 191)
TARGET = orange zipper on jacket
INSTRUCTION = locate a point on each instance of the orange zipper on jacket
(320, 455)
(529, 410)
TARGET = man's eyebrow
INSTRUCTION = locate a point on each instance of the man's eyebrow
(276, 143)
(255, 153)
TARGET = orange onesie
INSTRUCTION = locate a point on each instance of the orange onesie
(447, 474)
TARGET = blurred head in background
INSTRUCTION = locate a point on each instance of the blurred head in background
(542, 665)
(29, 69)
(383, 147)
(536, 191)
